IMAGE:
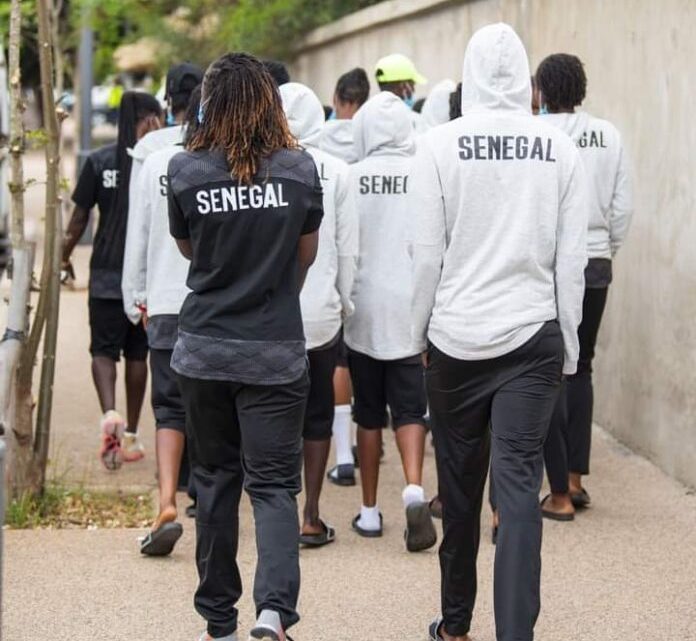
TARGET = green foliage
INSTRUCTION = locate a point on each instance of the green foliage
(274, 27)
(270, 28)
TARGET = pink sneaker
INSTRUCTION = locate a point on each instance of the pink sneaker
(112, 428)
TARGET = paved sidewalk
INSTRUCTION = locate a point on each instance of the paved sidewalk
(624, 570)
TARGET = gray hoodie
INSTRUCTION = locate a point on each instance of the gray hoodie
(436, 108)
(337, 139)
(325, 297)
(381, 181)
(500, 215)
(603, 156)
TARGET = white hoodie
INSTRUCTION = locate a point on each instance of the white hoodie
(149, 143)
(337, 139)
(133, 279)
(154, 271)
(436, 108)
(599, 144)
(500, 210)
(325, 297)
(384, 140)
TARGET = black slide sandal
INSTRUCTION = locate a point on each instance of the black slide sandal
(368, 534)
(318, 540)
(554, 516)
(580, 499)
(161, 541)
(420, 533)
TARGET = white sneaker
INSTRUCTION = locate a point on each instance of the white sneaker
(133, 449)
(268, 627)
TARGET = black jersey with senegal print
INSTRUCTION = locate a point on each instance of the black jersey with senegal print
(242, 321)
(96, 185)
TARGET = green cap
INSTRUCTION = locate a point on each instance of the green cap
(398, 68)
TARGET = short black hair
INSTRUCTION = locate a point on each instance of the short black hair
(562, 81)
(279, 72)
(353, 87)
(180, 101)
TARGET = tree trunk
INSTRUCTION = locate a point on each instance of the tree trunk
(50, 277)
(16, 127)
(15, 404)
(16, 400)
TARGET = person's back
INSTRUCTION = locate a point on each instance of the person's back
(321, 301)
(499, 253)
(599, 144)
(244, 276)
(505, 176)
(380, 326)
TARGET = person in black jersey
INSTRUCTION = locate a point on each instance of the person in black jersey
(245, 205)
(104, 182)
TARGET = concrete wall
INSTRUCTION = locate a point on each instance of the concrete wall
(639, 57)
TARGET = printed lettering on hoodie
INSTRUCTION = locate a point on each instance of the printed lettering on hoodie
(592, 139)
(236, 198)
(383, 184)
(505, 148)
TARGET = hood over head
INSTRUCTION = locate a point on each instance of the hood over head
(337, 140)
(383, 126)
(436, 108)
(304, 112)
(496, 71)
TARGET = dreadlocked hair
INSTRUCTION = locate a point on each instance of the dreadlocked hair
(242, 115)
(562, 81)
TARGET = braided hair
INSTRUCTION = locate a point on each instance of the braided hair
(562, 81)
(242, 115)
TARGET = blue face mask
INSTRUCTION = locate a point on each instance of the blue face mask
(409, 101)
(543, 110)
(171, 121)
(332, 115)
(200, 114)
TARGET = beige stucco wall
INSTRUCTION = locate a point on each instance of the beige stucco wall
(639, 57)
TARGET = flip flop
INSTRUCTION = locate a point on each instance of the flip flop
(554, 516)
(343, 475)
(161, 542)
(580, 499)
(368, 534)
(434, 631)
(420, 531)
(322, 538)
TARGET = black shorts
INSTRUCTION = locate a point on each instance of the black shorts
(319, 415)
(398, 384)
(112, 332)
(342, 353)
(167, 403)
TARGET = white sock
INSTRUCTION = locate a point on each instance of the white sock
(413, 494)
(369, 518)
(342, 437)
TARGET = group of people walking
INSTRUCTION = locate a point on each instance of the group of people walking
(286, 264)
